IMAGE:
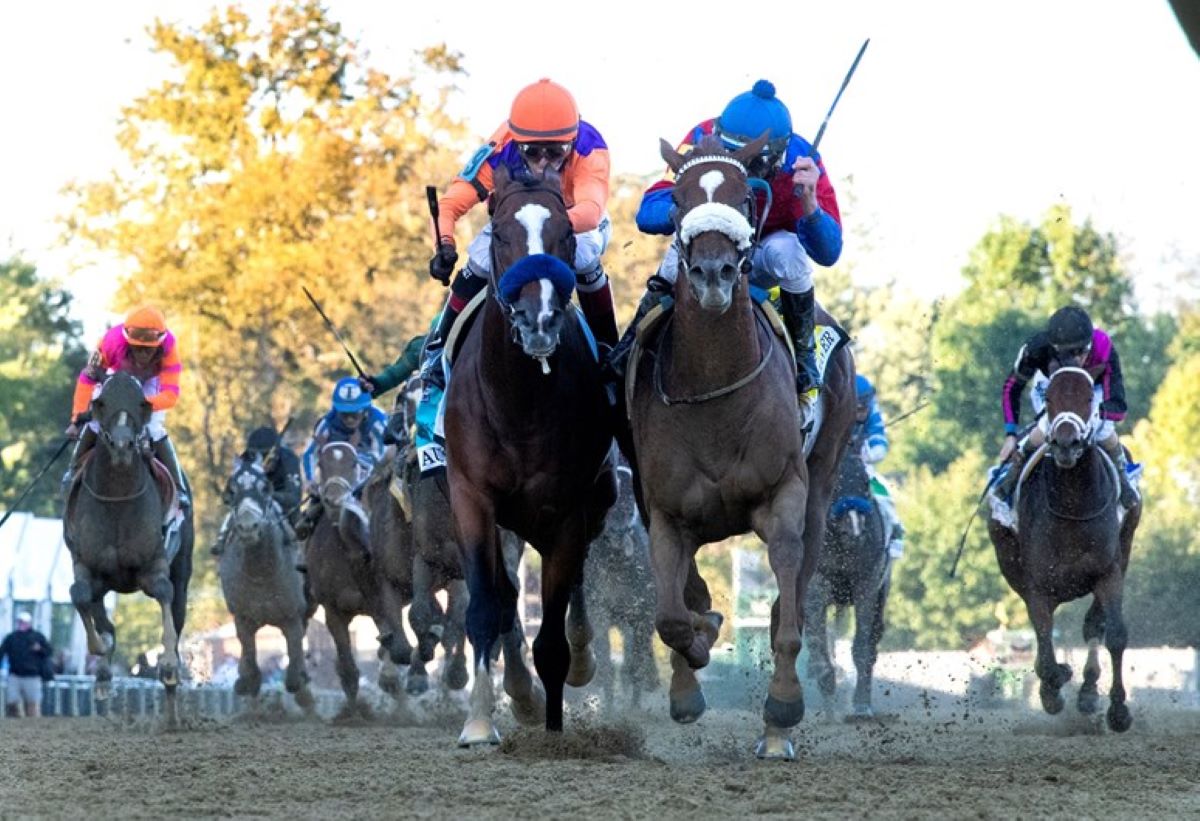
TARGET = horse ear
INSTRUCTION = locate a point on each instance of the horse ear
(672, 157)
(500, 178)
(752, 149)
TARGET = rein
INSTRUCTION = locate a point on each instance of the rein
(102, 498)
(1108, 497)
(719, 392)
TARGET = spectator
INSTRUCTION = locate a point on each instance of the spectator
(29, 654)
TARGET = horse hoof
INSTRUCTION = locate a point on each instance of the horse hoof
(456, 676)
(389, 682)
(1119, 718)
(102, 691)
(243, 687)
(583, 667)
(530, 711)
(775, 747)
(861, 712)
(417, 684)
(1052, 700)
(304, 700)
(1088, 702)
(688, 708)
(169, 676)
(778, 713)
(477, 732)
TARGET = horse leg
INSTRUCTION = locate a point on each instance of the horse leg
(553, 656)
(579, 637)
(639, 651)
(156, 584)
(338, 624)
(1093, 634)
(670, 558)
(391, 610)
(475, 523)
(867, 604)
(296, 679)
(816, 631)
(1052, 674)
(780, 527)
(108, 636)
(454, 637)
(605, 674)
(249, 680)
(83, 596)
(1109, 593)
(420, 618)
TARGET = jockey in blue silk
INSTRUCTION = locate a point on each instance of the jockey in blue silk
(870, 430)
(1069, 340)
(802, 225)
(352, 419)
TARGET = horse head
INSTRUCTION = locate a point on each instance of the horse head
(340, 473)
(533, 251)
(1069, 411)
(712, 225)
(248, 493)
(122, 412)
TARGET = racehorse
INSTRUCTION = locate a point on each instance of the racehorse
(260, 581)
(621, 591)
(527, 434)
(1071, 540)
(718, 439)
(113, 525)
(854, 569)
(341, 574)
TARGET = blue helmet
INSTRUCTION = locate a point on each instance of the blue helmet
(348, 396)
(751, 113)
(863, 388)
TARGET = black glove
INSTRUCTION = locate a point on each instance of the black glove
(442, 264)
(367, 383)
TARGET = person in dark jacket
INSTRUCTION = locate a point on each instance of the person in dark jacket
(28, 653)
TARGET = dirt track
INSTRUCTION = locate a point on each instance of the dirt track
(986, 764)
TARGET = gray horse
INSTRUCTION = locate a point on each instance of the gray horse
(853, 569)
(260, 581)
(114, 527)
(621, 595)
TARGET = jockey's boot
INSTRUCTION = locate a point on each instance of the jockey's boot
(617, 362)
(463, 289)
(799, 315)
(164, 451)
(896, 543)
(1016, 463)
(310, 513)
(596, 300)
(1129, 494)
(84, 444)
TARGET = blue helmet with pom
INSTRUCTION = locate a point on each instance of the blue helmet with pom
(348, 396)
(863, 388)
(751, 113)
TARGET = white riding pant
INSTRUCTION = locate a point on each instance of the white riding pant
(780, 259)
(589, 247)
(156, 428)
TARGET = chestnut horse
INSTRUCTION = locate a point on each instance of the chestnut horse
(528, 429)
(1071, 541)
(718, 438)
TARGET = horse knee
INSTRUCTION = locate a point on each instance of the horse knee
(161, 590)
(676, 633)
(81, 594)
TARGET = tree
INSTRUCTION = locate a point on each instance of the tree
(40, 357)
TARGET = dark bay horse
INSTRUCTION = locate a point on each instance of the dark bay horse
(260, 581)
(718, 439)
(528, 430)
(341, 573)
(854, 569)
(113, 525)
(1071, 541)
(621, 598)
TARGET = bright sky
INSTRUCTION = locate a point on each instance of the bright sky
(959, 111)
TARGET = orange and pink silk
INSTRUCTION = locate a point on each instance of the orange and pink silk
(113, 353)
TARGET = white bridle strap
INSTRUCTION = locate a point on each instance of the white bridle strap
(692, 162)
(716, 216)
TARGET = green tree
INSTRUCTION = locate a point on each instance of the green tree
(40, 357)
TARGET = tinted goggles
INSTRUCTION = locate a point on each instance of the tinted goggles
(534, 152)
(146, 336)
(1077, 351)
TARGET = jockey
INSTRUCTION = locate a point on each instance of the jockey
(543, 131)
(803, 224)
(282, 468)
(352, 419)
(143, 347)
(1069, 340)
(870, 430)
(396, 373)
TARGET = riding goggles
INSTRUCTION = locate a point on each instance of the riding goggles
(533, 152)
(1076, 351)
(146, 336)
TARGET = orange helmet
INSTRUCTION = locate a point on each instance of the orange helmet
(544, 112)
(145, 327)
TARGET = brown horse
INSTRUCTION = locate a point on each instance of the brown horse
(342, 575)
(718, 438)
(527, 434)
(1071, 541)
(113, 526)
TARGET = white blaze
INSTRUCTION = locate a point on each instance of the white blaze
(547, 309)
(533, 217)
(710, 181)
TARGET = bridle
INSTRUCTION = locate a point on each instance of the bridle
(719, 216)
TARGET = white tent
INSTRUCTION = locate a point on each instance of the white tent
(35, 566)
